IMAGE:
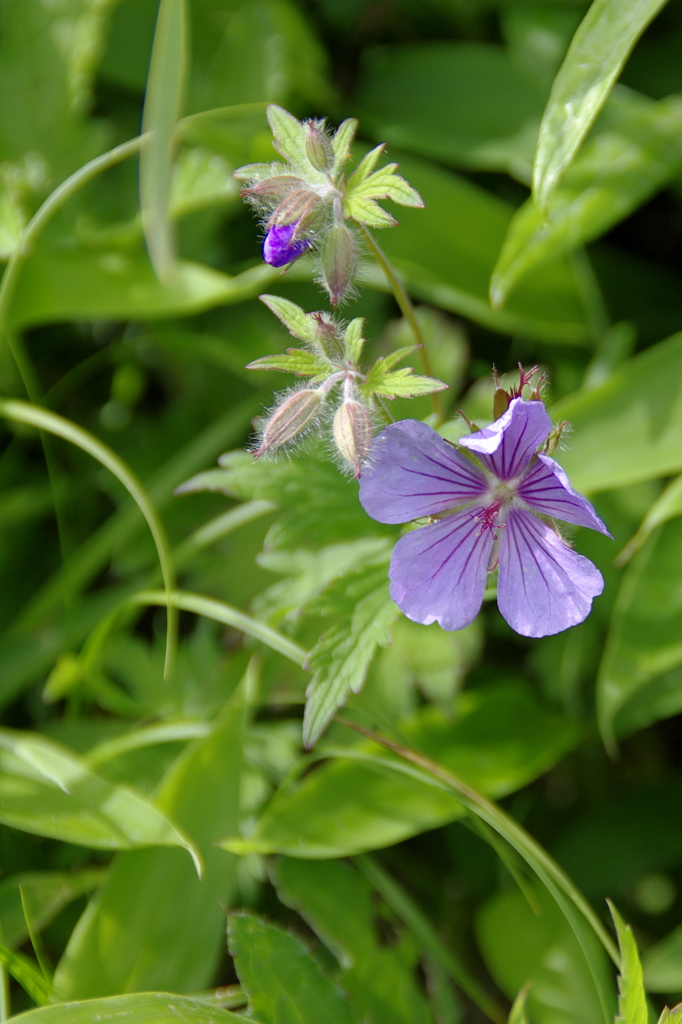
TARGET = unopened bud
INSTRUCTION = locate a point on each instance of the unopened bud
(353, 434)
(300, 207)
(290, 418)
(318, 148)
(500, 403)
(339, 262)
(329, 337)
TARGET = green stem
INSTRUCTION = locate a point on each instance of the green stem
(407, 309)
(422, 929)
(516, 836)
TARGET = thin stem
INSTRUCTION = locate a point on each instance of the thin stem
(507, 826)
(407, 309)
(406, 909)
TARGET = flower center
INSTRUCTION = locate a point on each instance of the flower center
(486, 517)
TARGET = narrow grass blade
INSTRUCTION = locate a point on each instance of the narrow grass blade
(34, 416)
(162, 105)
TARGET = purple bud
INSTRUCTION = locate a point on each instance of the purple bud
(290, 418)
(353, 434)
(280, 247)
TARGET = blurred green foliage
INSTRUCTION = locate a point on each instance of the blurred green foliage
(358, 886)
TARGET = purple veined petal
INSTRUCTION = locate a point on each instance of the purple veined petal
(278, 248)
(508, 444)
(546, 488)
(438, 572)
(543, 586)
(411, 472)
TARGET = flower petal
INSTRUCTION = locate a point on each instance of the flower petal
(278, 247)
(544, 586)
(438, 572)
(508, 444)
(546, 488)
(411, 472)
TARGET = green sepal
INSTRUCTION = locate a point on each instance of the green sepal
(296, 360)
(341, 143)
(354, 339)
(299, 323)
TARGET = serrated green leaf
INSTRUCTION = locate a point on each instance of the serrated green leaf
(406, 384)
(27, 974)
(290, 138)
(385, 184)
(341, 657)
(283, 981)
(341, 143)
(337, 902)
(366, 211)
(616, 171)
(296, 360)
(594, 60)
(673, 1016)
(365, 167)
(632, 1008)
(133, 1008)
(354, 340)
(296, 321)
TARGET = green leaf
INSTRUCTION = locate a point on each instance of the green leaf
(296, 360)
(200, 179)
(138, 1008)
(301, 325)
(132, 936)
(521, 947)
(517, 1014)
(27, 974)
(341, 657)
(384, 184)
(628, 429)
(321, 505)
(162, 108)
(673, 1016)
(406, 384)
(632, 1008)
(366, 211)
(662, 964)
(499, 740)
(594, 60)
(644, 639)
(290, 137)
(56, 286)
(446, 252)
(47, 790)
(460, 102)
(48, 892)
(354, 339)
(337, 902)
(666, 507)
(616, 171)
(284, 983)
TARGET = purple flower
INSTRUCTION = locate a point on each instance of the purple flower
(278, 247)
(487, 512)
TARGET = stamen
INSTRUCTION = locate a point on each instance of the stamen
(487, 517)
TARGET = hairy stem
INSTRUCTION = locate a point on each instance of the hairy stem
(407, 309)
